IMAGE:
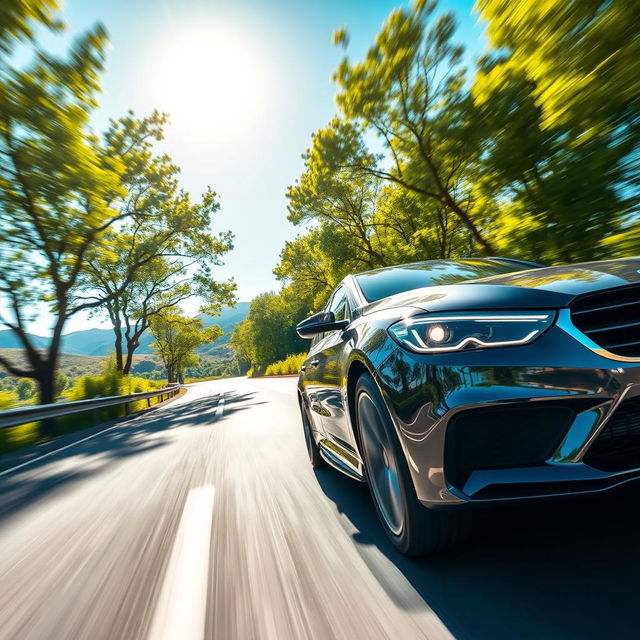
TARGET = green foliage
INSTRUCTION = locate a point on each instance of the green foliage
(176, 338)
(536, 158)
(268, 332)
(8, 399)
(108, 383)
(144, 366)
(19, 17)
(164, 252)
(56, 194)
(411, 91)
(559, 104)
(25, 389)
(290, 365)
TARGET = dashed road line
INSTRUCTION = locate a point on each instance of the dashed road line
(220, 408)
(181, 610)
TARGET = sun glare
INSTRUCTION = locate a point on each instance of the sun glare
(211, 80)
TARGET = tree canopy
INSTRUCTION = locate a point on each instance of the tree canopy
(164, 253)
(531, 151)
(176, 338)
(89, 223)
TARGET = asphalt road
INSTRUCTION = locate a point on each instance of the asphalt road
(203, 518)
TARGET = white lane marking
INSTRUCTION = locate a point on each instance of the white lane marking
(220, 408)
(73, 444)
(182, 607)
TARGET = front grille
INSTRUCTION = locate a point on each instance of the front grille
(611, 319)
(617, 447)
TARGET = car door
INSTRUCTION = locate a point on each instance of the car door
(312, 382)
(330, 364)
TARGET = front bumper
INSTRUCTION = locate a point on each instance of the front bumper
(536, 410)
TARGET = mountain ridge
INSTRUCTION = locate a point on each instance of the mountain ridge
(99, 342)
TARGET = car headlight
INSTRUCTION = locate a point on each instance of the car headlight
(468, 331)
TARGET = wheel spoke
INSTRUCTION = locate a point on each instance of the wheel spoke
(381, 463)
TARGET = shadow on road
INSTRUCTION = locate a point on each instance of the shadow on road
(558, 570)
(131, 436)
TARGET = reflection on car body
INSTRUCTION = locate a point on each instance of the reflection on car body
(446, 384)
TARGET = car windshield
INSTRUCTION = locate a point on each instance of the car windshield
(391, 280)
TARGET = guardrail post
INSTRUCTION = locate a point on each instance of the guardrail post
(148, 402)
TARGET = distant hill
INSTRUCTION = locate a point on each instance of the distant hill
(99, 342)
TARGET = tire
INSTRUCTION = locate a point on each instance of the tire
(413, 528)
(317, 461)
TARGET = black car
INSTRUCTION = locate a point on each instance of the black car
(446, 384)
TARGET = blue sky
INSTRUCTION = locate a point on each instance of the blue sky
(246, 83)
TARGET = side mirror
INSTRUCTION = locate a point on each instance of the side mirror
(319, 323)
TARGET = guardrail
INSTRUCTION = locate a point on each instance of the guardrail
(22, 415)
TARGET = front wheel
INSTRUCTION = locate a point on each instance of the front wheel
(413, 528)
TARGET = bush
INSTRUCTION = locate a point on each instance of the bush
(26, 388)
(110, 383)
(144, 366)
(290, 365)
(8, 399)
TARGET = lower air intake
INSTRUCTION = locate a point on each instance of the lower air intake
(617, 447)
(503, 437)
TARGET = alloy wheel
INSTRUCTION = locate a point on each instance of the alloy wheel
(382, 465)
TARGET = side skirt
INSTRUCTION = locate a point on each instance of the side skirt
(341, 459)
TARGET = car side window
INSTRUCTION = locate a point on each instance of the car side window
(340, 305)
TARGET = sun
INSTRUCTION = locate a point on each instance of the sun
(211, 79)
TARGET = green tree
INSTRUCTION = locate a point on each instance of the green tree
(165, 242)
(410, 90)
(313, 264)
(176, 339)
(559, 107)
(268, 333)
(339, 198)
(18, 17)
(411, 228)
(582, 57)
(56, 196)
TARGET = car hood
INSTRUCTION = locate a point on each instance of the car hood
(548, 287)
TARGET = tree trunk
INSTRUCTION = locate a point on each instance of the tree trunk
(132, 344)
(126, 370)
(117, 329)
(46, 379)
(114, 315)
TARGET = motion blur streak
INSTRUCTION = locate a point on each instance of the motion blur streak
(98, 540)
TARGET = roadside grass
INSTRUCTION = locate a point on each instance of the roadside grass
(289, 366)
